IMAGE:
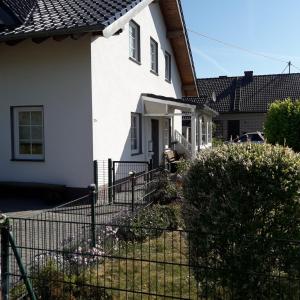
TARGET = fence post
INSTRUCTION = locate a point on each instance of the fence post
(93, 201)
(110, 181)
(150, 168)
(96, 179)
(132, 181)
(4, 260)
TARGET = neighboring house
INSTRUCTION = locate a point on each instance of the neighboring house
(242, 102)
(89, 80)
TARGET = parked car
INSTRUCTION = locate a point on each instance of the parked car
(251, 137)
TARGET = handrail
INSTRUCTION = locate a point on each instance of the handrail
(183, 141)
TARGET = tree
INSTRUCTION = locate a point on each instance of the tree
(282, 125)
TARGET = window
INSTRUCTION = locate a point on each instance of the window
(154, 56)
(168, 62)
(136, 146)
(134, 41)
(203, 129)
(28, 133)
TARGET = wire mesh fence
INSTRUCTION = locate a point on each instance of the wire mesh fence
(160, 264)
(79, 220)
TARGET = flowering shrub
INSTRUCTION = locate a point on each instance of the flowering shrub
(83, 254)
(240, 201)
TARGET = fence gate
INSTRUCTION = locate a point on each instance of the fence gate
(112, 177)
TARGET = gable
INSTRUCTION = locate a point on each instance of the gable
(40, 19)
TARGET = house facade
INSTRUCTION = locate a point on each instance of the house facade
(242, 102)
(107, 83)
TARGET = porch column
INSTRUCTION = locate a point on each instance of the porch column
(200, 132)
(207, 130)
(172, 129)
(193, 134)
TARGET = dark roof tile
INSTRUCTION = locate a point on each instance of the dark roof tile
(241, 94)
(47, 16)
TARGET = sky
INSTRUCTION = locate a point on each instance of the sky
(270, 27)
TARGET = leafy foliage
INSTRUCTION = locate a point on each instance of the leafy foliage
(282, 125)
(147, 223)
(242, 206)
(52, 282)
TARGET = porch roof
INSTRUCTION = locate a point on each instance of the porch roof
(160, 105)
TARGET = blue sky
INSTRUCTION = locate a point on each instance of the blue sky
(271, 27)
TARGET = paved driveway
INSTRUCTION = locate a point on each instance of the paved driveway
(22, 206)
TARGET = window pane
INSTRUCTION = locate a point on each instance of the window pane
(24, 132)
(37, 149)
(135, 123)
(168, 66)
(25, 148)
(24, 118)
(154, 53)
(133, 40)
(37, 132)
(28, 132)
(36, 118)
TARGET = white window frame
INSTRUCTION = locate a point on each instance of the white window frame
(134, 41)
(137, 131)
(154, 56)
(16, 133)
(168, 66)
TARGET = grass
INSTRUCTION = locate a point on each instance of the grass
(159, 270)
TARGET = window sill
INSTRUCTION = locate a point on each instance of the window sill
(154, 72)
(168, 80)
(27, 160)
(135, 61)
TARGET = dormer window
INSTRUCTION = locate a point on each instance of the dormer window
(134, 42)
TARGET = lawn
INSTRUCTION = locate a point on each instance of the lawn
(155, 269)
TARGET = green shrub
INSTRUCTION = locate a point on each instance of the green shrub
(282, 125)
(50, 281)
(240, 201)
(147, 223)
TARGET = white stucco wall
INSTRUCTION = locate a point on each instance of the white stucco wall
(118, 84)
(56, 75)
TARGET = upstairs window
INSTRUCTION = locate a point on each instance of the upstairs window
(154, 56)
(28, 133)
(168, 68)
(136, 133)
(134, 41)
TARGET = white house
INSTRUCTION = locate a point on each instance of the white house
(91, 80)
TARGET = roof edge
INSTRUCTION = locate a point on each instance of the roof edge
(119, 23)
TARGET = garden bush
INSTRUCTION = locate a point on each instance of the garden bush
(282, 125)
(242, 206)
(51, 282)
(147, 223)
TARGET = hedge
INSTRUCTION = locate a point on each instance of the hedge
(240, 201)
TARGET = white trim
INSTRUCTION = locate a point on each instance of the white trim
(120, 23)
(16, 126)
(171, 103)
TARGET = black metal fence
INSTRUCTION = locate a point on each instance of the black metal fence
(157, 265)
(79, 220)
(84, 250)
